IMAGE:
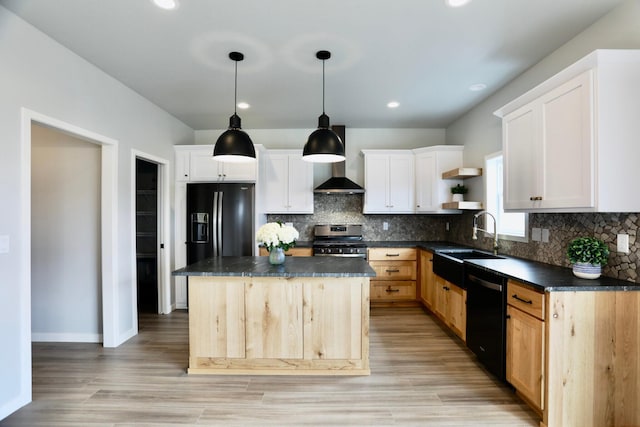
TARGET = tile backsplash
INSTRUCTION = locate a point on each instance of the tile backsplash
(347, 209)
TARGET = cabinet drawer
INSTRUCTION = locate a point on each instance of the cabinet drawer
(387, 254)
(525, 299)
(394, 270)
(291, 252)
(393, 290)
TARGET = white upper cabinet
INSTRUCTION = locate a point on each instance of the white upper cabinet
(389, 181)
(548, 147)
(195, 163)
(287, 181)
(570, 144)
(430, 163)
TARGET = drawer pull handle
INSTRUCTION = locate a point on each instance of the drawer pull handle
(389, 290)
(535, 198)
(392, 254)
(446, 288)
(526, 301)
(393, 271)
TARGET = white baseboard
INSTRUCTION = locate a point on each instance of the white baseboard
(65, 337)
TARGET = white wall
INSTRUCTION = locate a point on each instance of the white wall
(39, 74)
(66, 300)
(480, 131)
(355, 141)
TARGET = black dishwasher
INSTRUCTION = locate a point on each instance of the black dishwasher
(486, 318)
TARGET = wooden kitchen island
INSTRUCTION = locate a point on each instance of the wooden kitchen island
(308, 316)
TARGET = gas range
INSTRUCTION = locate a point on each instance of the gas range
(339, 240)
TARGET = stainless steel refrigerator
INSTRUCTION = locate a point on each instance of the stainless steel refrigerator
(219, 220)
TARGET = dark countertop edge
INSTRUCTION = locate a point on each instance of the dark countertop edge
(271, 274)
(249, 266)
(553, 274)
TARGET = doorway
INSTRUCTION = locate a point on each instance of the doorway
(66, 270)
(147, 236)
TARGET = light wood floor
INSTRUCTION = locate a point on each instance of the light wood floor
(421, 376)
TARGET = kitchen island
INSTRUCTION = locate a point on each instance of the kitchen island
(309, 315)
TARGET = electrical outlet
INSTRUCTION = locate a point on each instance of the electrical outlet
(623, 243)
(536, 234)
(385, 226)
(545, 235)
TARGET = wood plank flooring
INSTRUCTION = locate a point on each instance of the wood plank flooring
(421, 376)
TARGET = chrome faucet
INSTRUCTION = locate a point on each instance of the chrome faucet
(495, 231)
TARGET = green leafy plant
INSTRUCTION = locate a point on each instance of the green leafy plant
(459, 189)
(588, 249)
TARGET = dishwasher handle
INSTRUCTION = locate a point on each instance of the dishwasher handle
(485, 283)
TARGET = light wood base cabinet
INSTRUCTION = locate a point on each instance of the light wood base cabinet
(396, 273)
(427, 279)
(451, 306)
(277, 325)
(525, 356)
(577, 360)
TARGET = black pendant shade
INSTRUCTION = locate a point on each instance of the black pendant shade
(323, 145)
(234, 145)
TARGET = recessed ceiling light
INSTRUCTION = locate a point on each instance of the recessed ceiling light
(393, 104)
(477, 87)
(243, 105)
(166, 4)
(457, 3)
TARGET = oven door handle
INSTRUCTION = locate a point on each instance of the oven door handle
(484, 283)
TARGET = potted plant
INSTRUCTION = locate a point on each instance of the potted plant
(588, 255)
(458, 193)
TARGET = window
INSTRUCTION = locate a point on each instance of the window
(511, 225)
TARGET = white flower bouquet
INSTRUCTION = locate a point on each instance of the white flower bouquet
(276, 235)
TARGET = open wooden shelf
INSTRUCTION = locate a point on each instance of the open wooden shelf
(463, 205)
(461, 173)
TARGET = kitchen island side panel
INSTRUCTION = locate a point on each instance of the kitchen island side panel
(279, 325)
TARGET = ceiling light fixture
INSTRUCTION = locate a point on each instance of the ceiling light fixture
(243, 105)
(323, 145)
(393, 104)
(166, 4)
(457, 3)
(234, 145)
(477, 87)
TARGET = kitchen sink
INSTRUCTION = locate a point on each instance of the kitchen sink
(449, 264)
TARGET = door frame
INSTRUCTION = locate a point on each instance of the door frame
(108, 228)
(164, 232)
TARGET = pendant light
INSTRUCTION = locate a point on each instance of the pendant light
(234, 145)
(323, 145)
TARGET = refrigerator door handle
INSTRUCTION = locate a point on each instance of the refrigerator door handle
(220, 210)
(214, 226)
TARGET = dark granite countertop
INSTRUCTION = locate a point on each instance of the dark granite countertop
(544, 277)
(293, 267)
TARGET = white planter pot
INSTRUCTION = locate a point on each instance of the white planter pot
(585, 270)
(457, 197)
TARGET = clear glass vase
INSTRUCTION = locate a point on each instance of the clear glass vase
(276, 256)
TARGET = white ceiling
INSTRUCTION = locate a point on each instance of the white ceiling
(417, 52)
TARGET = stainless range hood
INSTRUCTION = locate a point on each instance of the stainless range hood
(339, 183)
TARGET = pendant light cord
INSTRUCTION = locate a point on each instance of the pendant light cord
(235, 95)
(323, 86)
